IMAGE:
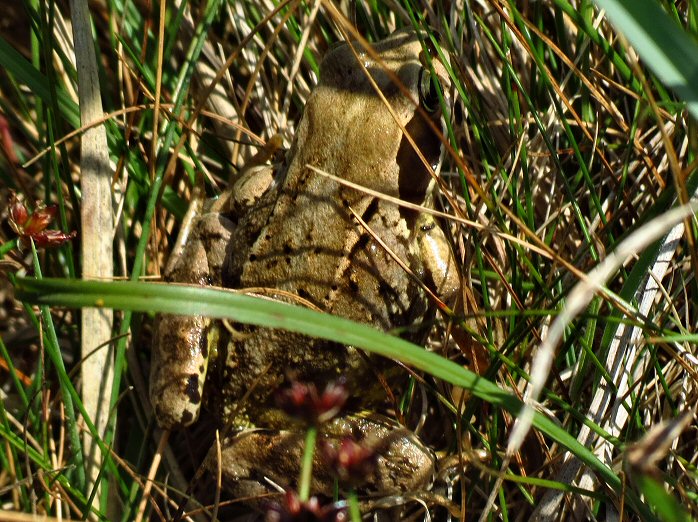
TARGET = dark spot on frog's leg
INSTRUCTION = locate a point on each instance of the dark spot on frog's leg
(192, 390)
(302, 293)
(203, 347)
(186, 418)
(252, 257)
(428, 227)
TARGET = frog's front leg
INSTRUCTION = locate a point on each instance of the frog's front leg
(180, 345)
(438, 261)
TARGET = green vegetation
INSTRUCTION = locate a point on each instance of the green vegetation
(570, 139)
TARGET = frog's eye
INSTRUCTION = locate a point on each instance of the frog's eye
(429, 91)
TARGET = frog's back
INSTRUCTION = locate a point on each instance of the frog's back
(312, 244)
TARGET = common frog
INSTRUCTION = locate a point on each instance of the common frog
(292, 235)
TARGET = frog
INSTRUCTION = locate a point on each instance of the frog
(291, 233)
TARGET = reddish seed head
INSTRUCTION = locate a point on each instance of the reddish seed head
(18, 213)
(302, 400)
(32, 226)
(352, 463)
(294, 510)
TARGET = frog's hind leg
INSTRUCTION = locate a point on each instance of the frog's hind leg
(257, 462)
(180, 353)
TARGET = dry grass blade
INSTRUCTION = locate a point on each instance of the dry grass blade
(97, 224)
(608, 407)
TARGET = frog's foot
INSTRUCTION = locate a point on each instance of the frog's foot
(255, 462)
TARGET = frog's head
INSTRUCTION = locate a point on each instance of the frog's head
(374, 113)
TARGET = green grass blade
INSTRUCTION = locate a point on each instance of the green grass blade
(669, 51)
(227, 304)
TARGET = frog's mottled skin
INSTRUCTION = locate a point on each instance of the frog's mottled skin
(299, 239)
